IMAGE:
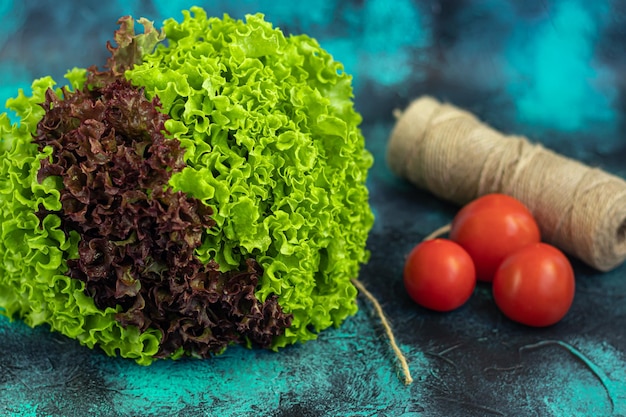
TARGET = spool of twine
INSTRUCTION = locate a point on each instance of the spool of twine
(448, 151)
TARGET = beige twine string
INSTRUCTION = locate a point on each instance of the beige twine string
(449, 152)
(408, 379)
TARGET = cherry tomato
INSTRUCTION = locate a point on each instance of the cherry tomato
(439, 275)
(535, 285)
(491, 228)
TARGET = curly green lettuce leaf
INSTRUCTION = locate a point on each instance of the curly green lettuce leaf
(137, 236)
(272, 144)
(35, 251)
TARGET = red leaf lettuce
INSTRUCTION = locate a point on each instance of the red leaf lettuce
(138, 236)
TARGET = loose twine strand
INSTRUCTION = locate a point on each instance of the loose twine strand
(404, 366)
(408, 379)
(438, 232)
(449, 152)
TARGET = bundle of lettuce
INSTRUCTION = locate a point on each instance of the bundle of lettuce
(204, 187)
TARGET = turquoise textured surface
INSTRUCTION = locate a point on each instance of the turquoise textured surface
(552, 70)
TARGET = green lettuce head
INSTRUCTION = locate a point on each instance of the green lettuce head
(206, 189)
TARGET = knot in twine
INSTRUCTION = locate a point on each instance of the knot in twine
(449, 152)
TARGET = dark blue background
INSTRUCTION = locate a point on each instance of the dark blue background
(552, 70)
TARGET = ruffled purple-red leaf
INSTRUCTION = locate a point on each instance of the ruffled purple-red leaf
(138, 237)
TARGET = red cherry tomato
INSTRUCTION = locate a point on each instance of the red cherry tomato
(535, 286)
(439, 275)
(491, 228)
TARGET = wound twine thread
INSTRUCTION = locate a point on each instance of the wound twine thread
(448, 151)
